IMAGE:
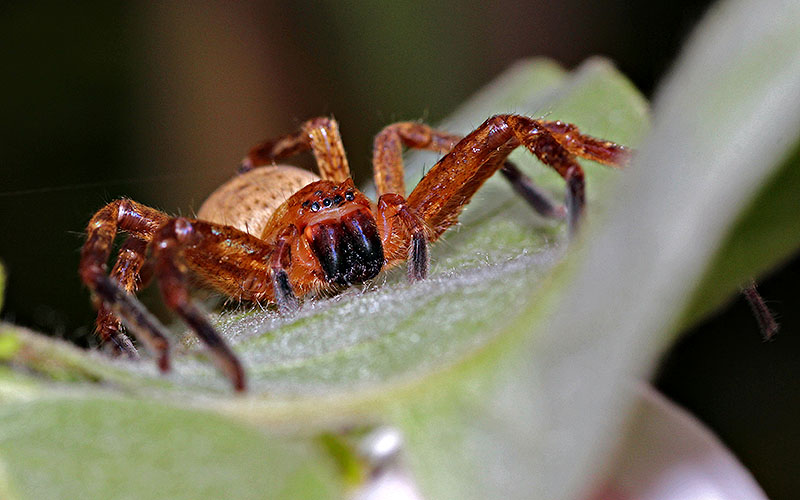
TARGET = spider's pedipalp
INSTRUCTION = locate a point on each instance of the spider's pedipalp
(405, 236)
(418, 257)
(284, 294)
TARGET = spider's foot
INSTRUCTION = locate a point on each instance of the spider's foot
(121, 345)
(766, 320)
(536, 197)
(418, 257)
(163, 362)
(235, 373)
(576, 202)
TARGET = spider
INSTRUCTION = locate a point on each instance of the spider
(275, 233)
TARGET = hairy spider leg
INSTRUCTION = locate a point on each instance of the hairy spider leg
(170, 245)
(766, 321)
(535, 196)
(408, 238)
(451, 183)
(387, 152)
(588, 147)
(387, 159)
(112, 292)
(454, 180)
(128, 272)
(173, 241)
(389, 170)
(179, 245)
(320, 135)
(251, 269)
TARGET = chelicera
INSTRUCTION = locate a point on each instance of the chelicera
(275, 233)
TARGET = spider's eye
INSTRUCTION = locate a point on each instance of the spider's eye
(327, 202)
(338, 199)
(306, 204)
(349, 196)
(315, 207)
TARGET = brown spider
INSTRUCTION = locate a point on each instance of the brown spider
(275, 232)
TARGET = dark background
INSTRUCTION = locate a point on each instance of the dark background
(159, 103)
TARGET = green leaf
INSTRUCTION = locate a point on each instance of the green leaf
(762, 238)
(749, 118)
(723, 122)
(508, 370)
(112, 448)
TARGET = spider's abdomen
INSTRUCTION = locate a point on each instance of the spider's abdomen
(348, 249)
(247, 201)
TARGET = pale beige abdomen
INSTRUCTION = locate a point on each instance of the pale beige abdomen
(247, 201)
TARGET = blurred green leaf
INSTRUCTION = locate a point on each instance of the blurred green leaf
(762, 238)
(113, 448)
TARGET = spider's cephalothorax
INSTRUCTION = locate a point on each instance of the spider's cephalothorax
(335, 222)
(274, 233)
